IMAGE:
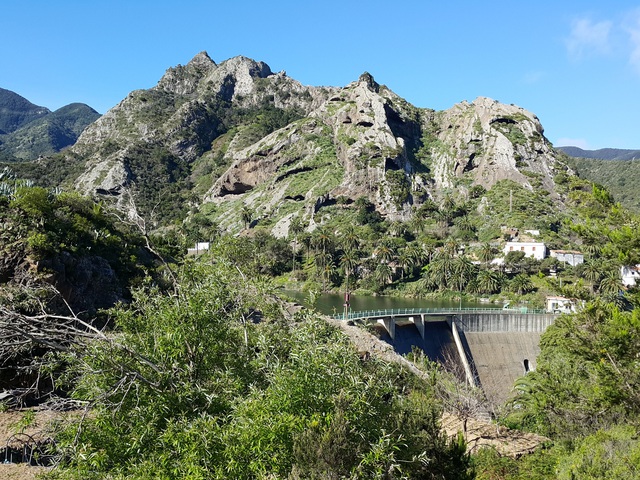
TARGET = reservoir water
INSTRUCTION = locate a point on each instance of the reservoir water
(438, 343)
(333, 303)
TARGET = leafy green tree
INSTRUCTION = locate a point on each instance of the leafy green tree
(513, 260)
(586, 376)
(607, 454)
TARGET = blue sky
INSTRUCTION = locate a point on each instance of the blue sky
(575, 64)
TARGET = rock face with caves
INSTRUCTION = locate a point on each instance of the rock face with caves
(236, 134)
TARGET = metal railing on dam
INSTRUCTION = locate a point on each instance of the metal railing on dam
(407, 312)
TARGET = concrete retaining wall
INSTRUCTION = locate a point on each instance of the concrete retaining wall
(503, 322)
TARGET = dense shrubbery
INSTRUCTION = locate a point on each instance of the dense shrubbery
(213, 382)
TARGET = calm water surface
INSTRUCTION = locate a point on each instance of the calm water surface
(332, 303)
(438, 339)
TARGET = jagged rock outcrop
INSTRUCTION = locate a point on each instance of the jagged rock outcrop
(494, 142)
(239, 134)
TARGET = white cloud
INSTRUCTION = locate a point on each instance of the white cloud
(589, 38)
(572, 142)
(633, 29)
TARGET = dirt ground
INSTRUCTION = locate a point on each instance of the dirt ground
(20, 471)
(12, 426)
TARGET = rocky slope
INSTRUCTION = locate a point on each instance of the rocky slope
(237, 135)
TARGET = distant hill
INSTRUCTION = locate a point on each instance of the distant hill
(16, 111)
(602, 154)
(615, 168)
(29, 131)
(236, 135)
(621, 177)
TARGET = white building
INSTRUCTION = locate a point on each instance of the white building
(561, 305)
(572, 257)
(200, 248)
(630, 275)
(536, 250)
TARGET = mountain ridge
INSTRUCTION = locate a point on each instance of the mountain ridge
(28, 131)
(602, 153)
(236, 133)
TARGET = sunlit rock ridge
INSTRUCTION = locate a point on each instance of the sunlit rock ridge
(235, 133)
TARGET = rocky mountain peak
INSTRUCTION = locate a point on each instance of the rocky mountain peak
(368, 80)
(268, 142)
(202, 60)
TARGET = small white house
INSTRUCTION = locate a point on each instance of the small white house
(630, 275)
(560, 305)
(572, 257)
(537, 250)
(200, 248)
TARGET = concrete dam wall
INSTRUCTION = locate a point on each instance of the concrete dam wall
(498, 347)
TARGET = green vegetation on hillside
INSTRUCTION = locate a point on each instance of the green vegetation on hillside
(621, 177)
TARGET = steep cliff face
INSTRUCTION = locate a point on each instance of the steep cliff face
(179, 118)
(492, 142)
(236, 134)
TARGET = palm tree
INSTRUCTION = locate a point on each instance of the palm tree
(295, 228)
(328, 272)
(429, 251)
(383, 274)
(593, 250)
(521, 284)
(397, 229)
(451, 246)
(592, 271)
(486, 253)
(246, 215)
(611, 283)
(488, 281)
(410, 257)
(463, 271)
(322, 239)
(349, 238)
(348, 263)
(384, 252)
(441, 269)
(426, 281)
(324, 265)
